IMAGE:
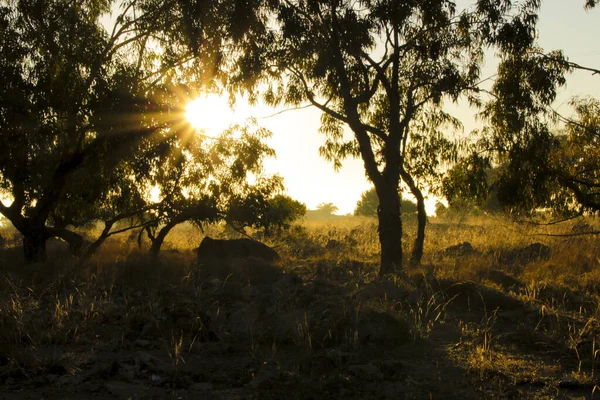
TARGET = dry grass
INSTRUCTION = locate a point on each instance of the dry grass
(322, 322)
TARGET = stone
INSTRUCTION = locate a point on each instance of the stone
(202, 386)
(212, 250)
(581, 227)
(383, 329)
(368, 372)
(142, 343)
(247, 321)
(126, 390)
(381, 289)
(460, 250)
(528, 254)
(503, 279)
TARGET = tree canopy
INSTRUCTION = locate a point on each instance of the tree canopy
(383, 69)
(367, 204)
(91, 112)
(536, 163)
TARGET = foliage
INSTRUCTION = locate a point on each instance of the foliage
(576, 160)
(281, 211)
(92, 116)
(383, 68)
(266, 211)
(327, 208)
(368, 203)
(209, 181)
(536, 168)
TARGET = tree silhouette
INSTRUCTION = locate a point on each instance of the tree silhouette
(327, 209)
(368, 203)
(382, 68)
(87, 113)
(538, 168)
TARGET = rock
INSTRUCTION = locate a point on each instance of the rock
(151, 330)
(288, 282)
(264, 379)
(137, 322)
(202, 386)
(473, 296)
(525, 255)
(460, 250)
(503, 279)
(379, 328)
(150, 363)
(247, 321)
(392, 369)
(285, 326)
(218, 250)
(581, 227)
(381, 289)
(126, 390)
(144, 344)
(368, 372)
(129, 372)
(242, 272)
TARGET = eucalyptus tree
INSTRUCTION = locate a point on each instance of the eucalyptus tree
(83, 110)
(382, 68)
(536, 166)
(368, 203)
(558, 171)
(213, 179)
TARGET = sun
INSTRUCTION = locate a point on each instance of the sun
(210, 114)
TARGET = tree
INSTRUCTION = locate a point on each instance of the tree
(381, 68)
(265, 211)
(87, 113)
(576, 161)
(564, 175)
(327, 208)
(368, 203)
(208, 183)
(536, 167)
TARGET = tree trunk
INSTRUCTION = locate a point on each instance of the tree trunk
(159, 240)
(34, 244)
(93, 247)
(390, 230)
(75, 240)
(417, 253)
(163, 232)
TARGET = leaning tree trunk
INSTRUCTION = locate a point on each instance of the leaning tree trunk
(34, 244)
(160, 237)
(390, 230)
(157, 241)
(417, 252)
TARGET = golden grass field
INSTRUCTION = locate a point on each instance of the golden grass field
(488, 323)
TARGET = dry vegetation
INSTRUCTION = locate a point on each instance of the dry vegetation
(483, 322)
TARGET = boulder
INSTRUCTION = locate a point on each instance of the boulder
(525, 255)
(219, 250)
(460, 250)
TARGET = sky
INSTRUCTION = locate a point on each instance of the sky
(296, 139)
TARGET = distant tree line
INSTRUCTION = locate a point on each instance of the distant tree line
(368, 203)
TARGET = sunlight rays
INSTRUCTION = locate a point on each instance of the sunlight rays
(211, 114)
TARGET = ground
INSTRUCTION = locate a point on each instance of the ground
(512, 314)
